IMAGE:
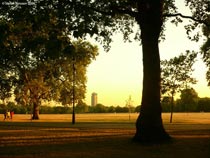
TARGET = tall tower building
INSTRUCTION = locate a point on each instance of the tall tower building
(94, 99)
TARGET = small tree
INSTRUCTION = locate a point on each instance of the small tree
(177, 74)
(129, 104)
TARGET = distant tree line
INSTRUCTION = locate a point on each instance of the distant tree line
(80, 108)
(188, 102)
(201, 105)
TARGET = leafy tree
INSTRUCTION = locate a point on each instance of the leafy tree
(176, 74)
(33, 39)
(189, 99)
(101, 18)
(46, 81)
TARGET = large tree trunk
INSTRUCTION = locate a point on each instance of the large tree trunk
(35, 112)
(149, 127)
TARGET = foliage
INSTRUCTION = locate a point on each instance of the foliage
(34, 59)
(197, 105)
(166, 104)
(17, 109)
(101, 18)
(45, 23)
(200, 105)
(205, 50)
(188, 102)
(203, 105)
(176, 73)
(5, 88)
(84, 53)
(189, 99)
(81, 107)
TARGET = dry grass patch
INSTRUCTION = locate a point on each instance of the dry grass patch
(98, 139)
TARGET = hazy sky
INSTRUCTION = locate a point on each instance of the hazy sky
(116, 75)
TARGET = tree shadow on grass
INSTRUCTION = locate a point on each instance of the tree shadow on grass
(59, 140)
(108, 147)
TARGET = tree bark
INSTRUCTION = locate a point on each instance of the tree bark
(149, 126)
(172, 108)
(35, 112)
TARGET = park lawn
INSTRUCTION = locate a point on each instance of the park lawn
(108, 139)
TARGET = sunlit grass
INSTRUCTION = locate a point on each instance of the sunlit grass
(112, 117)
(101, 136)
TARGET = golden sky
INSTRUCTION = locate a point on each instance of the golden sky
(116, 75)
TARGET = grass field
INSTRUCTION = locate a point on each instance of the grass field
(101, 136)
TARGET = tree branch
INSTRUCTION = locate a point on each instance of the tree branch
(187, 17)
(115, 10)
(102, 12)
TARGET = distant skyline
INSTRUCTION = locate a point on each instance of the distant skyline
(118, 74)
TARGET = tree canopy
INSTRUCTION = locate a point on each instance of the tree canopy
(189, 99)
(176, 73)
(37, 53)
(205, 50)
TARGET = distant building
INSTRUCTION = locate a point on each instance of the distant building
(94, 99)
